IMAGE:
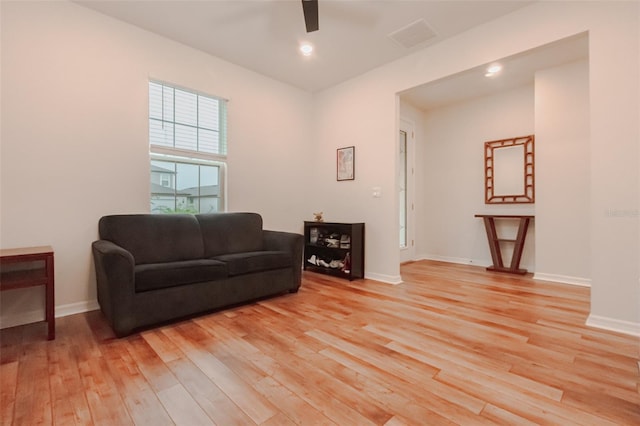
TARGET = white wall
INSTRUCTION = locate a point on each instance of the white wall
(563, 179)
(359, 117)
(75, 146)
(83, 76)
(452, 169)
(614, 89)
(361, 112)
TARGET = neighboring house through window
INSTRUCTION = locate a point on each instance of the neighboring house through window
(188, 147)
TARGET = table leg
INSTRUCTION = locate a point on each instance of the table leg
(519, 244)
(494, 244)
(50, 299)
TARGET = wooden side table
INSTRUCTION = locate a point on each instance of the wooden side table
(494, 242)
(12, 278)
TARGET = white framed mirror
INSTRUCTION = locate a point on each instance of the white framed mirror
(509, 171)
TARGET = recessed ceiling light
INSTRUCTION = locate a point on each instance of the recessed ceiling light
(493, 70)
(306, 49)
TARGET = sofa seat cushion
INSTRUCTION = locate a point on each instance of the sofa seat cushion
(255, 261)
(153, 276)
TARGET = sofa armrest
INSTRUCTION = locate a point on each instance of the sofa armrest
(116, 284)
(290, 242)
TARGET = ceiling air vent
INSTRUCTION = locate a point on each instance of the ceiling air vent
(413, 34)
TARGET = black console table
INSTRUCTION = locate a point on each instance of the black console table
(494, 242)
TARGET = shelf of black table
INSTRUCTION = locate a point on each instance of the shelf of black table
(327, 241)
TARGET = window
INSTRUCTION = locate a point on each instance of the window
(188, 147)
(165, 180)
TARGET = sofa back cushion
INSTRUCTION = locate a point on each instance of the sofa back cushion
(154, 238)
(226, 233)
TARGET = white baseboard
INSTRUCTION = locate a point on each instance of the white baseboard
(389, 279)
(458, 260)
(7, 321)
(612, 324)
(564, 279)
(76, 308)
(29, 317)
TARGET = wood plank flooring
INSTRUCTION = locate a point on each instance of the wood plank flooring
(452, 345)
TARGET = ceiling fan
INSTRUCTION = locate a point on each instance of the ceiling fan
(310, 10)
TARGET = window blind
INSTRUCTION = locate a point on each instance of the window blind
(186, 120)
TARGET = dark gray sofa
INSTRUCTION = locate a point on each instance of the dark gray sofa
(155, 268)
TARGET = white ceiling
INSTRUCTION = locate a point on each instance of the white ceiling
(264, 35)
(518, 70)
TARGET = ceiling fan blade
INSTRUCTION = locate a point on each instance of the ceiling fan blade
(310, 9)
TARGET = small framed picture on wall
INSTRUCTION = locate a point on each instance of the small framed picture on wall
(346, 158)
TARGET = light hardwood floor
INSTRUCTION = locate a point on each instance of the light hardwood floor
(452, 345)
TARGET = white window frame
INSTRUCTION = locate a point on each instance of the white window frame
(195, 157)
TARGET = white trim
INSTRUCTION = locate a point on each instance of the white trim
(409, 127)
(76, 308)
(612, 324)
(185, 88)
(388, 279)
(38, 315)
(21, 318)
(186, 156)
(458, 260)
(564, 279)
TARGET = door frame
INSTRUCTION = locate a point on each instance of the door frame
(408, 253)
